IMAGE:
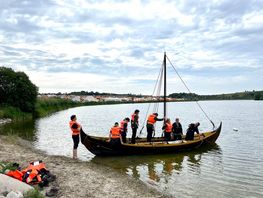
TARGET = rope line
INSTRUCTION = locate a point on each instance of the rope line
(155, 86)
(190, 92)
(158, 92)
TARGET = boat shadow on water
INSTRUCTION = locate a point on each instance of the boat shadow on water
(153, 168)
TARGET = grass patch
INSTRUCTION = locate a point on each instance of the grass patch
(33, 194)
(46, 106)
(13, 113)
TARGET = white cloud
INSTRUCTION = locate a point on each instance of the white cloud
(121, 42)
(253, 20)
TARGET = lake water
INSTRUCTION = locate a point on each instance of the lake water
(231, 168)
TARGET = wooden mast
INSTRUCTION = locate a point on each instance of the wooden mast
(164, 89)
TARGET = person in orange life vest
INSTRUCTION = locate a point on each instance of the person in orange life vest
(177, 130)
(115, 135)
(124, 129)
(134, 124)
(75, 128)
(167, 130)
(150, 125)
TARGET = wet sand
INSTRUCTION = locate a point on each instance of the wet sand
(75, 178)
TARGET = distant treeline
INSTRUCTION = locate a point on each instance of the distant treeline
(95, 93)
(246, 95)
(18, 97)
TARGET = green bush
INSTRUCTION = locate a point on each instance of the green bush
(17, 90)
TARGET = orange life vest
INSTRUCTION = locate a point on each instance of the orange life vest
(132, 117)
(32, 177)
(15, 174)
(151, 119)
(31, 174)
(115, 132)
(38, 165)
(168, 127)
(74, 131)
(122, 124)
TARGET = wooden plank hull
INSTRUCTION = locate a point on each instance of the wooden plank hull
(101, 147)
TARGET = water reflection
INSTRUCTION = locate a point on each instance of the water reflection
(24, 128)
(163, 169)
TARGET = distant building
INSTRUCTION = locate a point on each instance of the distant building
(89, 99)
(125, 99)
(76, 98)
(111, 99)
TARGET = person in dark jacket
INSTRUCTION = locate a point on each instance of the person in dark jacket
(191, 131)
(150, 125)
(134, 124)
(177, 130)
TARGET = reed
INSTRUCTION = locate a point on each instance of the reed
(47, 106)
(13, 113)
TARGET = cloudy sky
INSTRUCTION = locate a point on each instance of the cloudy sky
(117, 46)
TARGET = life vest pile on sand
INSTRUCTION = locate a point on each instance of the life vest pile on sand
(35, 173)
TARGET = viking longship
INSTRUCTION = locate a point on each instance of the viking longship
(102, 147)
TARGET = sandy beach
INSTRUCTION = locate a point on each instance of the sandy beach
(75, 178)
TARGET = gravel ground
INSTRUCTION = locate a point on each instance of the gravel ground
(75, 178)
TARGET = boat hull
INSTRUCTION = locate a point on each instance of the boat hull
(101, 147)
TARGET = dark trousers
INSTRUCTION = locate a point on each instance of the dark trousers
(123, 137)
(189, 135)
(134, 131)
(115, 142)
(75, 141)
(150, 130)
(167, 136)
(177, 136)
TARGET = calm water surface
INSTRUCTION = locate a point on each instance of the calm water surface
(232, 168)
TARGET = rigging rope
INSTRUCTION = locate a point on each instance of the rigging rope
(156, 105)
(159, 76)
(158, 94)
(190, 92)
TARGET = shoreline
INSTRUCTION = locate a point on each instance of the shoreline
(75, 178)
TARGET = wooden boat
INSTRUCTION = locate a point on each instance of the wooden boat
(101, 147)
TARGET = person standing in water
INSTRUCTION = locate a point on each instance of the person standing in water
(75, 129)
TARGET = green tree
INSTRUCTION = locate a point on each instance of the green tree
(17, 90)
(258, 96)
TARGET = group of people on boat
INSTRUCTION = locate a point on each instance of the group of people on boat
(118, 132)
(172, 131)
